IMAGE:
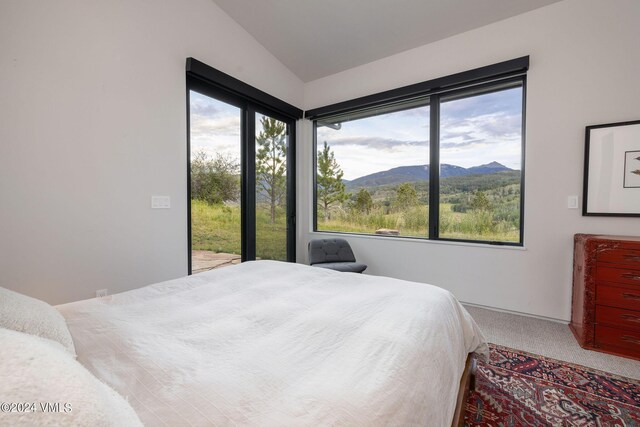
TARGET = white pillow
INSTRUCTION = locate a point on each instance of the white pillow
(21, 313)
(38, 372)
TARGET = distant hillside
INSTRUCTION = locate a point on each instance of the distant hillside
(492, 167)
(419, 173)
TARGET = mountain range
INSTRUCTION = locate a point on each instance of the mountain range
(418, 173)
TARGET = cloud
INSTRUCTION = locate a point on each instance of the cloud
(213, 127)
(504, 125)
(450, 133)
(473, 131)
(453, 145)
(203, 107)
(488, 103)
(373, 142)
(489, 129)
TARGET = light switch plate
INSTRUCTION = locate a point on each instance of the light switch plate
(572, 202)
(160, 202)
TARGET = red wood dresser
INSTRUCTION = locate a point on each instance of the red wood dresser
(605, 310)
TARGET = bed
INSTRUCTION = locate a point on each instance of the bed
(269, 343)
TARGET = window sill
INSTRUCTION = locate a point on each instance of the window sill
(418, 240)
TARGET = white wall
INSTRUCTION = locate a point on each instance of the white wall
(584, 70)
(92, 123)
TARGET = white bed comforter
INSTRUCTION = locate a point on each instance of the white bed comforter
(266, 343)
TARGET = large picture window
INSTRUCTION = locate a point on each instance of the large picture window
(437, 163)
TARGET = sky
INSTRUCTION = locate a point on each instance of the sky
(215, 126)
(473, 131)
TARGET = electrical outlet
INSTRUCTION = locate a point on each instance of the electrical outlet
(160, 202)
(572, 202)
(101, 293)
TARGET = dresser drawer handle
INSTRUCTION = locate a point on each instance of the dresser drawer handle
(631, 257)
(630, 296)
(632, 340)
(630, 318)
(631, 276)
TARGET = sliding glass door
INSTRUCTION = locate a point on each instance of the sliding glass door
(271, 147)
(240, 181)
(215, 169)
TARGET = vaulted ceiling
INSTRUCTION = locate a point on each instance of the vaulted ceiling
(318, 38)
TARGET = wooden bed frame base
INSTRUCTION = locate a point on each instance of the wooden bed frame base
(467, 383)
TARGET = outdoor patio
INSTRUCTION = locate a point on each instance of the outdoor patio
(207, 260)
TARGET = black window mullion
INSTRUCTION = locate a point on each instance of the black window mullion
(189, 238)
(522, 154)
(315, 175)
(291, 192)
(248, 210)
(434, 166)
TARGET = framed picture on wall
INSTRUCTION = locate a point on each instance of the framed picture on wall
(632, 169)
(612, 170)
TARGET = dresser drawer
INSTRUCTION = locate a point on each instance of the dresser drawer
(618, 317)
(613, 296)
(618, 275)
(628, 257)
(619, 338)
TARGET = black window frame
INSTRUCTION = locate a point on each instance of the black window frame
(484, 78)
(211, 82)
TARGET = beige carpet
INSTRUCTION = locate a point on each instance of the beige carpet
(547, 338)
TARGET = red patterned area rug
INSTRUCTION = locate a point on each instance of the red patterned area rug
(516, 388)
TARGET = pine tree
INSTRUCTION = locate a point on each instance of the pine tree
(363, 201)
(330, 188)
(406, 196)
(271, 162)
(480, 202)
